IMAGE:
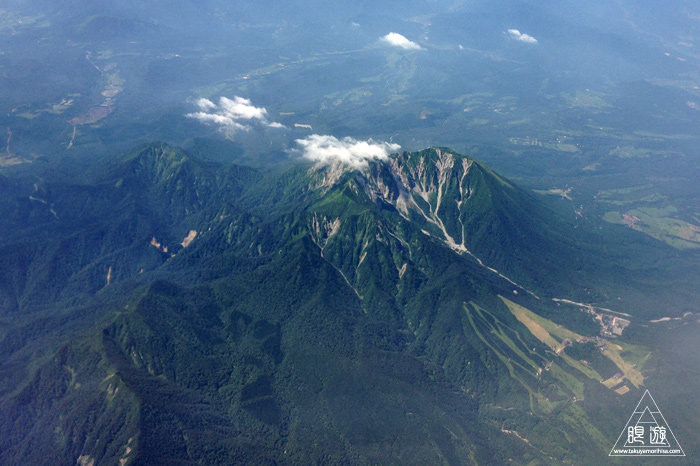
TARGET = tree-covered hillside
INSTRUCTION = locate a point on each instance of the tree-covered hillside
(174, 311)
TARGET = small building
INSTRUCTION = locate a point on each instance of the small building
(618, 376)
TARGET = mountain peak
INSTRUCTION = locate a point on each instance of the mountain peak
(453, 199)
(156, 160)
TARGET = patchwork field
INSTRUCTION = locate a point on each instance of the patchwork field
(660, 224)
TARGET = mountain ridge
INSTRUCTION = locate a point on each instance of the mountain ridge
(288, 316)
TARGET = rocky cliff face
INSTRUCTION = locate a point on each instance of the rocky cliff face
(456, 200)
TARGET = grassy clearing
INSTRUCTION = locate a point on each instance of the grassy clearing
(543, 329)
(631, 373)
(555, 391)
(586, 370)
(540, 327)
(612, 382)
(636, 355)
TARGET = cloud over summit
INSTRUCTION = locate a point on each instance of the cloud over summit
(240, 114)
(229, 113)
(517, 35)
(397, 40)
(329, 149)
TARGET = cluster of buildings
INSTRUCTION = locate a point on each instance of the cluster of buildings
(612, 326)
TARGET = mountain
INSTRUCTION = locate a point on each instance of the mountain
(174, 311)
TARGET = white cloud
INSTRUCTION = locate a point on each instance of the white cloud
(220, 120)
(515, 34)
(230, 112)
(206, 104)
(397, 40)
(329, 149)
(241, 108)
